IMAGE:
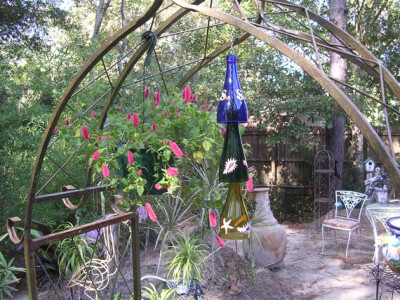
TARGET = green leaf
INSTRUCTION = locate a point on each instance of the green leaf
(207, 145)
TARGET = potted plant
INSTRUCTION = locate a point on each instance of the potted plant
(149, 144)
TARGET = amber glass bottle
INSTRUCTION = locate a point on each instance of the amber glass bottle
(234, 221)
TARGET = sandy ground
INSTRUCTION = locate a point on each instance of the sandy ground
(306, 273)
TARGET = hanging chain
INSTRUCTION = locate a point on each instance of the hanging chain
(231, 38)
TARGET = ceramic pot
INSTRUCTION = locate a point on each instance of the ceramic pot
(268, 238)
(391, 245)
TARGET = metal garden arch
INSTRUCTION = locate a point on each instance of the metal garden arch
(262, 29)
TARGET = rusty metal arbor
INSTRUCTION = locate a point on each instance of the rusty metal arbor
(324, 184)
(100, 83)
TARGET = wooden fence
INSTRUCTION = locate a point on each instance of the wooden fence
(289, 174)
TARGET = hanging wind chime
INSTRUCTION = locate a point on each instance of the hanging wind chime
(232, 110)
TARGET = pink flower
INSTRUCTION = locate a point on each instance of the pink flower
(135, 120)
(130, 158)
(121, 109)
(175, 148)
(249, 184)
(194, 97)
(85, 132)
(99, 138)
(187, 94)
(128, 116)
(160, 187)
(105, 171)
(223, 131)
(55, 129)
(219, 241)
(96, 155)
(146, 93)
(140, 172)
(165, 141)
(67, 122)
(213, 218)
(93, 113)
(165, 113)
(171, 102)
(207, 107)
(172, 171)
(119, 104)
(154, 127)
(157, 99)
(151, 213)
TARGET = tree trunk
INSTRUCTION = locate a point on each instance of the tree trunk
(101, 9)
(123, 45)
(338, 68)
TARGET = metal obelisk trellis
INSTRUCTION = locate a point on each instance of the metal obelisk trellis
(163, 17)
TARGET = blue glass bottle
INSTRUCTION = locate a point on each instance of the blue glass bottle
(232, 106)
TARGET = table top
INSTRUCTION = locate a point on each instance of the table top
(383, 207)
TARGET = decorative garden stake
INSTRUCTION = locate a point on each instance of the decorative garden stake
(232, 110)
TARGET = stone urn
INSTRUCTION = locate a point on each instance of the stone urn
(268, 239)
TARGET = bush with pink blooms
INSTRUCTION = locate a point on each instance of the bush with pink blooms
(175, 129)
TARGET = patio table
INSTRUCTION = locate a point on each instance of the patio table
(377, 214)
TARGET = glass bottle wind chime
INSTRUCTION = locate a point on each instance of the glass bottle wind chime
(232, 110)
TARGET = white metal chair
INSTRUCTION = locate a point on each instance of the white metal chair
(346, 218)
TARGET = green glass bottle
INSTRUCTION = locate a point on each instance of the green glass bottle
(234, 220)
(233, 164)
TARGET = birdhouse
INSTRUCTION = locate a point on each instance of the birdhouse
(369, 165)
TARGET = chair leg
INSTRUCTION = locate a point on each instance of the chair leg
(323, 239)
(335, 238)
(348, 242)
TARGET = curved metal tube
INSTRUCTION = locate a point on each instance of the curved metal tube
(340, 97)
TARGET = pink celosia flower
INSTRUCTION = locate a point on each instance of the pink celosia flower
(175, 148)
(140, 172)
(223, 131)
(119, 104)
(171, 102)
(96, 155)
(146, 93)
(128, 116)
(130, 157)
(93, 113)
(151, 213)
(135, 120)
(219, 241)
(154, 127)
(165, 141)
(105, 171)
(67, 122)
(194, 97)
(249, 184)
(157, 99)
(165, 113)
(55, 129)
(207, 107)
(213, 218)
(85, 132)
(99, 138)
(187, 94)
(172, 171)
